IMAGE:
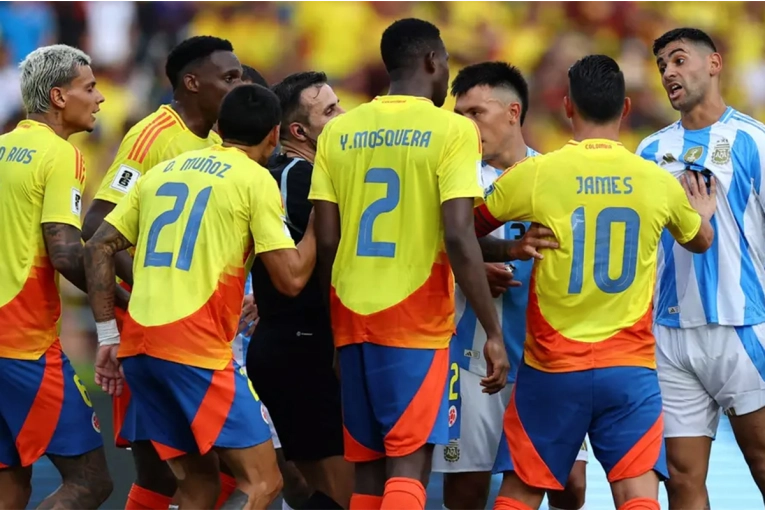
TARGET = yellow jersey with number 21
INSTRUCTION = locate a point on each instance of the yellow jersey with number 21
(389, 165)
(41, 181)
(590, 301)
(195, 222)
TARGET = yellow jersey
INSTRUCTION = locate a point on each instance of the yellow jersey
(590, 302)
(157, 138)
(195, 222)
(389, 165)
(41, 181)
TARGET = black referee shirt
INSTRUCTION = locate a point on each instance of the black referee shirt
(293, 175)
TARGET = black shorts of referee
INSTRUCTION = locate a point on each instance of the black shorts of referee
(290, 355)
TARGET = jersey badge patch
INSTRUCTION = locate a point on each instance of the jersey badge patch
(76, 201)
(125, 179)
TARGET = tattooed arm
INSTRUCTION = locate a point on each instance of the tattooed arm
(100, 209)
(99, 269)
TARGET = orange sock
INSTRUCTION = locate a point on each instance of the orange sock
(365, 502)
(403, 493)
(640, 504)
(503, 503)
(227, 488)
(144, 499)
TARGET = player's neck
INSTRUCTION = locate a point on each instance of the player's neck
(515, 151)
(583, 130)
(704, 114)
(193, 118)
(53, 121)
(411, 87)
(258, 153)
(296, 150)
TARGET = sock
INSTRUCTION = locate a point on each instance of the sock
(144, 499)
(503, 503)
(227, 488)
(640, 504)
(365, 502)
(285, 505)
(320, 501)
(403, 493)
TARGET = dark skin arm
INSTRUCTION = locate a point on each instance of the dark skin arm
(98, 210)
(502, 250)
(64, 245)
(99, 269)
(327, 224)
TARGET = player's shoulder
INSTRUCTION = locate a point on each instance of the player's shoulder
(648, 148)
(151, 131)
(741, 123)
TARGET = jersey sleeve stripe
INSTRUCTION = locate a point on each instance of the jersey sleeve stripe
(175, 116)
(168, 123)
(145, 134)
(79, 167)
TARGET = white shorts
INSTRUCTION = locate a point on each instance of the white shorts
(480, 432)
(709, 369)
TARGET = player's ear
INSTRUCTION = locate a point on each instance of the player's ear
(57, 98)
(190, 82)
(627, 107)
(568, 106)
(297, 131)
(274, 136)
(715, 64)
(430, 62)
(514, 112)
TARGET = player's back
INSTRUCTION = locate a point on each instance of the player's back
(391, 163)
(190, 221)
(159, 136)
(41, 179)
(591, 299)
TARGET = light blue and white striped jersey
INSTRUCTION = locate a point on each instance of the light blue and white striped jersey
(724, 285)
(468, 342)
(240, 343)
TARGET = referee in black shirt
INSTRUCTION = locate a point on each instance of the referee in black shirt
(290, 356)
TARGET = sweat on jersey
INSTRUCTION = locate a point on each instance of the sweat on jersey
(725, 284)
(470, 337)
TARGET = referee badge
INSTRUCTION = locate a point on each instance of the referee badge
(452, 451)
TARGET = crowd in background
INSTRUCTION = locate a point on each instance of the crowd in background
(129, 42)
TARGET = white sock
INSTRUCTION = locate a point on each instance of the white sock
(285, 506)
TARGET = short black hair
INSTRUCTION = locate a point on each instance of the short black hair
(289, 90)
(251, 75)
(248, 113)
(407, 40)
(494, 75)
(190, 51)
(689, 34)
(597, 88)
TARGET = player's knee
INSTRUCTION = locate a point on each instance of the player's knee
(466, 490)
(100, 486)
(685, 479)
(756, 463)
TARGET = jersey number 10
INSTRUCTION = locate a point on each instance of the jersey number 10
(366, 247)
(180, 191)
(603, 223)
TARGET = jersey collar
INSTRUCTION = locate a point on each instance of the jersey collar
(401, 99)
(29, 123)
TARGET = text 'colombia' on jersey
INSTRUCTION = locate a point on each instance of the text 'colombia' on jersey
(389, 165)
(194, 220)
(590, 301)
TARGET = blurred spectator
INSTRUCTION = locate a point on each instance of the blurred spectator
(24, 26)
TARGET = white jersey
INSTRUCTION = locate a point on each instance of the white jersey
(725, 284)
(468, 342)
(240, 343)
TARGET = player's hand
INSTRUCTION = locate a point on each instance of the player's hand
(500, 278)
(249, 317)
(536, 238)
(109, 370)
(497, 365)
(701, 199)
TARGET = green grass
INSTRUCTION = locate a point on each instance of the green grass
(86, 373)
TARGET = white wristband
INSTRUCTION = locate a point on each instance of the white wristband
(108, 334)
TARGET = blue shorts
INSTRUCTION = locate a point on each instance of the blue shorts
(45, 410)
(395, 400)
(550, 414)
(183, 409)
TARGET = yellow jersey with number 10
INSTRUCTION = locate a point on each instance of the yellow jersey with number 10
(41, 181)
(590, 301)
(195, 222)
(389, 165)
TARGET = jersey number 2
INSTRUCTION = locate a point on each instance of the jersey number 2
(606, 218)
(180, 191)
(366, 247)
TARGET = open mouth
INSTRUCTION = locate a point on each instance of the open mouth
(675, 90)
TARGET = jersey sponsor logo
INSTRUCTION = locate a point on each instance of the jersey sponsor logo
(667, 158)
(125, 179)
(76, 201)
(721, 152)
(452, 451)
(468, 353)
(693, 154)
(673, 310)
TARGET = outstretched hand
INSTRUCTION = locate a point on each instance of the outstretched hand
(536, 238)
(702, 199)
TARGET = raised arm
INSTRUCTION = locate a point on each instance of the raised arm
(685, 211)
(289, 268)
(99, 209)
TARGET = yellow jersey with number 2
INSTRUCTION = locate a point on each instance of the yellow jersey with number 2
(195, 222)
(389, 165)
(41, 181)
(590, 301)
